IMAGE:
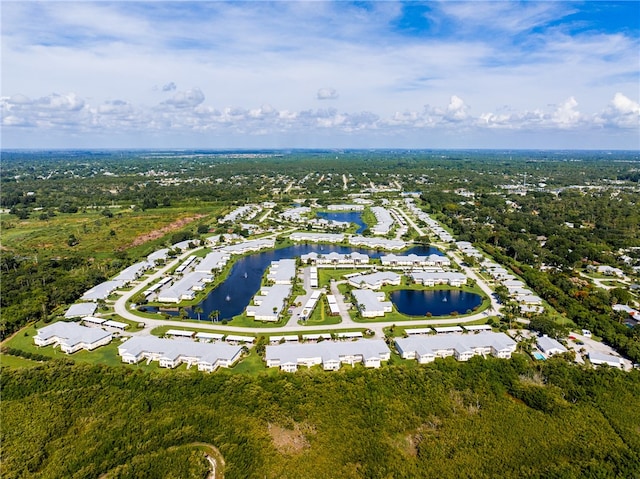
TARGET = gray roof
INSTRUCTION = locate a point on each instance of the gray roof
(599, 358)
(547, 344)
(377, 242)
(133, 272)
(80, 310)
(160, 254)
(184, 285)
(72, 333)
(373, 279)
(103, 290)
(172, 349)
(326, 350)
(438, 276)
(459, 342)
(370, 300)
(214, 260)
(274, 298)
(330, 237)
(283, 270)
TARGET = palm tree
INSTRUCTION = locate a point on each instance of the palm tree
(198, 310)
(213, 315)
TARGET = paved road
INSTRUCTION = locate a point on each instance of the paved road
(292, 325)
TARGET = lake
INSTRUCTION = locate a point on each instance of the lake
(232, 296)
(441, 302)
(346, 216)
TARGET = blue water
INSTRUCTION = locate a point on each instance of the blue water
(232, 296)
(439, 302)
(347, 216)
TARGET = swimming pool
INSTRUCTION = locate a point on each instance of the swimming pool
(539, 356)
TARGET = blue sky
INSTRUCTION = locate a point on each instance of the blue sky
(321, 74)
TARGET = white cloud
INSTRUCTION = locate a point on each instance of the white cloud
(566, 114)
(457, 110)
(169, 87)
(327, 94)
(186, 99)
(625, 105)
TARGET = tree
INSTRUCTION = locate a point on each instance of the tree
(213, 315)
(198, 310)
(72, 240)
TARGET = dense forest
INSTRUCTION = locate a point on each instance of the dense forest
(483, 419)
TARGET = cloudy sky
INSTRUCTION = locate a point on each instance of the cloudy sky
(321, 74)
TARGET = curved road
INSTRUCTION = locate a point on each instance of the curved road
(376, 326)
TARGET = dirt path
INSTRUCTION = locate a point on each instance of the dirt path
(215, 458)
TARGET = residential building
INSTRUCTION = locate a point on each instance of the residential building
(462, 347)
(71, 337)
(371, 304)
(330, 354)
(375, 280)
(550, 346)
(171, 353)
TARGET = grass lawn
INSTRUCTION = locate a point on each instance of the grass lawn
(320, 317)
(250, 364)
(103, 355)
(325, 275)
(245, 321)
(7, 361)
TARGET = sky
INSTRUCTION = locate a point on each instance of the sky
(319, 74)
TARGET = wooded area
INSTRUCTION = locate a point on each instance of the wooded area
(483, 419)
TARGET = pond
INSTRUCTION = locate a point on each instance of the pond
(232, 296)
(346, 216)
(441, 302)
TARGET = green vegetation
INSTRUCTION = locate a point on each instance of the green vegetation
(78, 218)
(446, 420)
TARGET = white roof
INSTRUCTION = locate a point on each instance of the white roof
(179, 332)
(160, 254)
(549, 344)
(274, 298)
(169, 348)
(411, 331)
(116, 324)
(72, 333)
(377, 242)
(329, 237)
(80, 309)
(326, 350)
(460, 342)
(478, 327)
(183, 286)
(438, 276)
(370, 300)
(448, 329)
(350, 334)
(601, 358)
(213, 260)
(315, 337)
(374, 279)
(240, 339)
(282, 270)
(103, 290)
(133, 272)
(91, 319)
(209, 335)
